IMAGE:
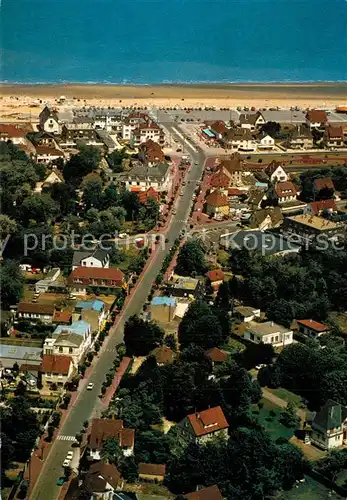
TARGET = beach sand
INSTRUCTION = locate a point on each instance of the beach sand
(18, 102)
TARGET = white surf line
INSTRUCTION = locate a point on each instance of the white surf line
(185, 140)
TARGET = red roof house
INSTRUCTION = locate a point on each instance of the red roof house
(216, 355)
(215, 276)
(208, 423)
(316, 207)
(209, 493)
(220, 180)
(285, 191)
(311, 327)
(100, 277)
(56, 364)
(316, 117)
(103, 429)
(323, 183)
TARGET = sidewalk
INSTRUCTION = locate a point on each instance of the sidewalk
(116, 381)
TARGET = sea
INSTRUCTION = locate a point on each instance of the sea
(173, 41)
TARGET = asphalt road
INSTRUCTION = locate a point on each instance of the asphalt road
(88, 403)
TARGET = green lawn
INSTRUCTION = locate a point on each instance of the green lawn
(309, 490)
(271, 422)
(287, 396)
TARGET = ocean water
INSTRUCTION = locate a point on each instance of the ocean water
(162, 41)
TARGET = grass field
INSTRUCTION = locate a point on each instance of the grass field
(269, 416)
(287, 396)
(309, 490)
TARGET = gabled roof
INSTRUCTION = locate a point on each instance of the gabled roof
(316, 116)
(272, 167)
(323, 183)
(232, 165)
(152, 469)
(62, 317)
(219, 127)
(330, 416)
(209, 493)
(97, 253)
(250, 118)
(103, 429)
(9, 130)
(318, 206)
(46, 150)
(284, 189)
(99, 474)
(313, 325)
(217, 199)
(35, 308)
(110, 274)
(208, 421)
(334, 132)
(216, 355)
(220, 180)
(52, 363)
(215, 275)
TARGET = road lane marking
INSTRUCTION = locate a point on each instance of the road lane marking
(66, 438)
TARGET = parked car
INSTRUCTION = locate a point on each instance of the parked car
(60, 481)
(66, 463)
(69, 455)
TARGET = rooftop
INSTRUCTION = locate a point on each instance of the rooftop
(77, 327)
(152, 469)
(314, 222)
(163, 301)
(313, 325)
(102, 429)
(35, 308)
(216, 355)
(267, 328)
(95, 305)
(52, 363)
(29, 354)
(209, 493)
(112, 273)
(207, 421)
(184, 282)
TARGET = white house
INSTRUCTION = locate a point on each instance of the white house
(34, 312)
(251, 120)
(285, 192)
(276, 172)
(265, 141)
(268, 333)
(72, 340)
(145, 132)
(141, 178)
(94, 258)
(49, 121)
(329, 426)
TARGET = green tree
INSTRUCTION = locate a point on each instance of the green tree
(111, 451)
(141, 337)
(115, 160)
(11, 283)
(200, 326)
(39, 208)
(82, 164)
(191, 259)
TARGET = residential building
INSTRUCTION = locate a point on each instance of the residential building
(49, 121)
(266, 218)
(150, 153)
(95, 312)
(217, 204)
(144, 196)
(72, 340)
(285, 192)
(53, 177)
(184, 286)
(20, 354)
(219, 129)
(102, 429)
(252, 120)
(268, 333)
(163, 355)
(207, 424)
(50, 280)
(143, 178)
(333, 137)
(246, 313)
(209, 493)
(215, 277)
(10, 132)
(318, 207)
(55, 370)
(35, 312)
(216, 355)
(301, 137)
(102, 481)
(220, 180)
(307, 228)
(46, 154)
(316, 118)
(323, 183)
(94, 258)
(62, 318)
(239, 139)
(162, 309)
(329, 426)
(311, 328)
(256, 196)
(131, 122)
(276, 172)
(233, 168)
(147, 131)
(108, 280)
(152, 472)
(265, 141)
(72, 132)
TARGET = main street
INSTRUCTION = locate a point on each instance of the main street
(88, 403)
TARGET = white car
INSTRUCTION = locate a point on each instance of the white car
(66, 463)
(69, 455)
(90, 386)
(258, 367)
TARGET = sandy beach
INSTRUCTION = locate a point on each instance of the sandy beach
(19, 102)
